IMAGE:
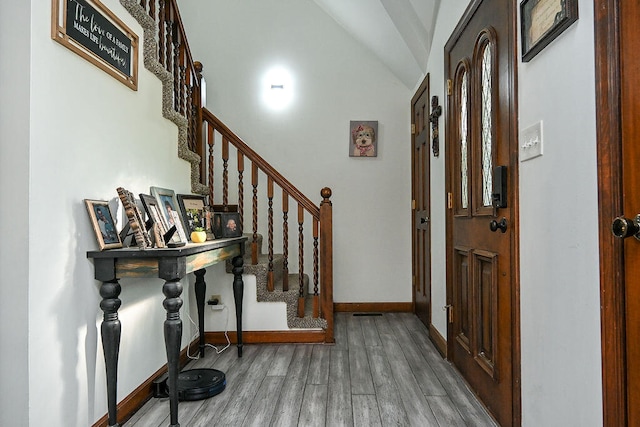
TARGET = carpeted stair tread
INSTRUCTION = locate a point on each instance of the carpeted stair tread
(290, 297)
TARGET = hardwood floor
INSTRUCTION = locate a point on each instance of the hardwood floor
(383, 371)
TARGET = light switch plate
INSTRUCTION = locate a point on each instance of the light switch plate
(531, 142)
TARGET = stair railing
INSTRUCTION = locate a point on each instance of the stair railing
(321, 217)
(164, 32)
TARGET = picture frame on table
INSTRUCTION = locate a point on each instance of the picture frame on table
(193, 209)
(542, 21)
(152, 208)
(168, 206)
(103, 224)
(226, 224)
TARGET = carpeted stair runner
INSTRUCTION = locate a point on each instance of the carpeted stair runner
(290, 297)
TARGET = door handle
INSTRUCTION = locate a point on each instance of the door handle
(495, 225)
(424, 220)
(624, 227)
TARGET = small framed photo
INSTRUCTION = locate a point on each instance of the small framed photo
(152, 209)
(103, 224)
(169, 208)
(363, 139)
(543, 21)
(226, 224)
(193, 211)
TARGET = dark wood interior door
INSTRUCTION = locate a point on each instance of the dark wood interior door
(618, 110)
(630, 77)
(481, 145)
(420, 193)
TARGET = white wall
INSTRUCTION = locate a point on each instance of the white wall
(559, 299)
(89, 134)
(14, 225)
(335, 80)
(561, 374)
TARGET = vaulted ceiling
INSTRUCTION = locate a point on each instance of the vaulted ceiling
(398, 32)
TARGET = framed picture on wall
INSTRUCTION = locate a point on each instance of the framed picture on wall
(363, 138)
(542, 22)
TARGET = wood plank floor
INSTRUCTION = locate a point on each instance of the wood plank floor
(383, 371)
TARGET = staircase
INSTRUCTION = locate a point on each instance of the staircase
(208, 144)
(290, 297)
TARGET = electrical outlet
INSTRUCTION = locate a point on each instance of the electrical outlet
(215, 302)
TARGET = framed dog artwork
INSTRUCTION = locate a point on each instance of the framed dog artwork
(363, 141)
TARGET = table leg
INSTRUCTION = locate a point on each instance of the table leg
(238, 293)
(172, 336)
(200, 289)
(110, 331)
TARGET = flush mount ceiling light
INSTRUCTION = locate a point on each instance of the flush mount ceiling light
(277, 86)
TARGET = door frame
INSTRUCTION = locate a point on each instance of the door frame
(609, 150)
(424, 87)
(514, 193)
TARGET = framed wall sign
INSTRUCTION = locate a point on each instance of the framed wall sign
(92, 31)
(542, 22)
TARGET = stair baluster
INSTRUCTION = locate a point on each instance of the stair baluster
(301, 290)
(161, 32)
(195, 88)
(176, 67)
(241, 188)
(168, 45)
(152, 9)
(270, 234)
(316, 297)
(285, 240)
(210, 181)
(254, 242)
(225, 173)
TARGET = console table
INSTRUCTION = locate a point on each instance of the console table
(171, 265)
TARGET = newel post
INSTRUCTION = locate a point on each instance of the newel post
(326, 260)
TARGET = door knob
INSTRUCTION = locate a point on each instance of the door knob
(424, 219)
(495, 225)
(624, 227)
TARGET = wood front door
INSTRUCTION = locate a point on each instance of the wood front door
(420, 193)
(482, 338)
(618, 127)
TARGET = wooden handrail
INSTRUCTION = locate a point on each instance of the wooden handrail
(263, 165)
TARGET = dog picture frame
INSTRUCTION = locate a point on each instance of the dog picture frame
(103, 224)
(363, 138)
